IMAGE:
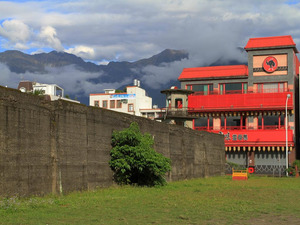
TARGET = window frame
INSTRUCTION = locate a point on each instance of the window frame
(129, 106)
(112, 104)
(96, 103)
(105, 104)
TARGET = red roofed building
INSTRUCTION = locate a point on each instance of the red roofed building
(248, 104)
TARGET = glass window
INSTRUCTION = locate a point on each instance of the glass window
(221, 86)
(245, 88)
(130, 108)
(270, 120)
(178, 103)
(104, 104)
(222, 121)
(201, 122)
(233, 121)
(270, 87)
(96, 103)
(112, 104)
(119, 104)
(233, 88)
(204, 89)
(282, 119)
(259, 118)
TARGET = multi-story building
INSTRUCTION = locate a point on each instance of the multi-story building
(254, 106)
(132, 101)
(54, 91)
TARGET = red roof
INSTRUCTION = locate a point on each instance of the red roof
(273, 42)
(213, 72)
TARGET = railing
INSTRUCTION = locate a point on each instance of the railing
(249, 101)
(269, 90)
(265, 127)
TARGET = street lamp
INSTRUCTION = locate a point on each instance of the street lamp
(286, 136)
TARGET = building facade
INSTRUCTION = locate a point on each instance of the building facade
(131, 102)
(254, 106)
(54, 91)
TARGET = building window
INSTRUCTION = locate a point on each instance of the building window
(112, 104)
(104, 104)
(270, 87)
(201, 123)
(119, 104)
(233, 122)
(233, 88)
(223, 122)
(96, 103)
(178, 103)
(130, 108)
(202, 89)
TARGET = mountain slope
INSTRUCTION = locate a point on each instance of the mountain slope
(113, 72)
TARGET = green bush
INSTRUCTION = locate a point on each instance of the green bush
(133, 159)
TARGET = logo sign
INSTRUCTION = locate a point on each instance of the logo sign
(122, 96)
(234, 137)
(270, 64)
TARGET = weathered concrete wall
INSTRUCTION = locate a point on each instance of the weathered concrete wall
(48, 147)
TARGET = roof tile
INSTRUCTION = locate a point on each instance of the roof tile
(266, 42)
(213, 72)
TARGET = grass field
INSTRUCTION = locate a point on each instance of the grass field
(217, 200)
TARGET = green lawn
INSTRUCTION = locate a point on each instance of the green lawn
(217, 200)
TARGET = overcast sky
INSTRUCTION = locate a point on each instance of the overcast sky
(129, 30)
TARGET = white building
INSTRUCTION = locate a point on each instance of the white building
(131, 102)
(54, 91)
(154, 114)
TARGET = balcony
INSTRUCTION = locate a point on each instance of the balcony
(239, 102)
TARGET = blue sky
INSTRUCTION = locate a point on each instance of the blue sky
(128, 30)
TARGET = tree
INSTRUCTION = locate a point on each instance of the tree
(133, 159)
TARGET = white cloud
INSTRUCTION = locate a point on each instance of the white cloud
(75, 82)
(84, 52)
(48, 36)
(15, 31)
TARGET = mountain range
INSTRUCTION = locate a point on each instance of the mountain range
(108, 76)
(20, 63)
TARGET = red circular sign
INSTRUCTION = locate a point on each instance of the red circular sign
(270, 64)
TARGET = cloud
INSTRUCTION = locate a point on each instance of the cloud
(48, 36)
(210, 30)
(16, 32)
(84, 52)
(75, 83)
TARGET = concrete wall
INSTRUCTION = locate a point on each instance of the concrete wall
(49, 147)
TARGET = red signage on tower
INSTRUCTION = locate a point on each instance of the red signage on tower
(270, 64)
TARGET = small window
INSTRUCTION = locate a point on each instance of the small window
(104, 104)
(130, 108)
(178, 103)
(112, 104)
(96, 103)
(119, 104)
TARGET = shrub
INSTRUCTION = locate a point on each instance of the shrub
(133, 159)
(292, 169)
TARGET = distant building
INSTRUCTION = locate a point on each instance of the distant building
(54, 91)
(133, 101)
(154, 114)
